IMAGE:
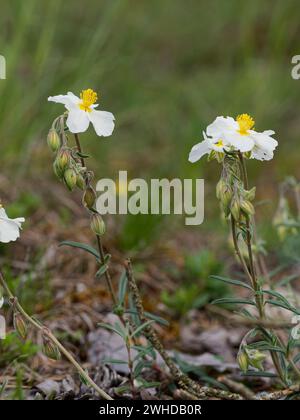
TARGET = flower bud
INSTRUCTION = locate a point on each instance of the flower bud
(235, 209)
(70, 178)
(56, 169)
(50, 349)
(242, 360)
(20, 326)
(53, 140)
(255, 358)
(63, 159)
(80, 182)
(219, 188)
(89, 198)
(247, 208)
(97, 224)
(250, 195)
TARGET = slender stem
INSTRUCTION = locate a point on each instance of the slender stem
(107, 274)
(258, 298)
(238, 252)
(54, 340)
(99, 242)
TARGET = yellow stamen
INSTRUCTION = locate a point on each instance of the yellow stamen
(219, 143)
(88, 97)
(245, 123)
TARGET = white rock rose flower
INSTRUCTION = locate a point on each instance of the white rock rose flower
(9, 228)
(82, 112)
(238, 135)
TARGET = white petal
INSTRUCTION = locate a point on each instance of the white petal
(264, 141)
(1, 302)
(9, 231)
(78, 120)
(199, 150)
(103, 122)
(221, 125)
(261, 154)
(240, 142)
(69, 100)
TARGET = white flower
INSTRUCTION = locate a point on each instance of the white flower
(9, 228)
(82, 112)
(207, 146)
(238, 135)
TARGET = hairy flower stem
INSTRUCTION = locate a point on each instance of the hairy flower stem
(259, 299)
(99, 242)
(14, 302)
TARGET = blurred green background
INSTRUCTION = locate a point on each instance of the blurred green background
(165, 68)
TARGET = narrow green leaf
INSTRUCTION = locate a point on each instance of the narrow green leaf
(234, 301)
(122, 287)
(282, 305)
(111, 328)
(278, 295)
(103, 268)
(114, 362)
(231, 281)
(141, 328)
(84, 247)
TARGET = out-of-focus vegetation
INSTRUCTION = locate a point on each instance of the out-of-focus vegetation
(165, 69)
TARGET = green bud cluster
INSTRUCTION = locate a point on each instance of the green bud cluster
(234, 199)
(67, 166)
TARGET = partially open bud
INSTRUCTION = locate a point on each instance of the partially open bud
(20, 325)
(250, 195)
(53, 140)
(235, 209)
(70, 178)
(63, 159)
(50, 349)
(97, 224)
(256, 358)
(89, 198)
(242, 360)
(247, 208)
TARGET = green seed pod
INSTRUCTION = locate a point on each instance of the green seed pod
(247, 208)
(70, 178)
(53, 140)
(50, 349)
(243, 361)
(89, 198)
(97, 224)
(20, 326)
(63, 159)
(235, 209)
(250, 195)
(80, 181)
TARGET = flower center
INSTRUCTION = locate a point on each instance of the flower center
(88, 97)
(219, 143)
(245, 123)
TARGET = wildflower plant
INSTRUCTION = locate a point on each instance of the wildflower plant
(232, 142)
(133, 322)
